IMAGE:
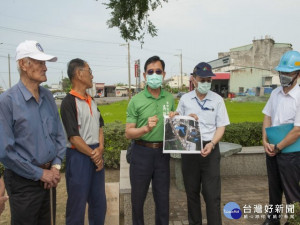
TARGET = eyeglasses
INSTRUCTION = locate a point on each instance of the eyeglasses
(158, 71)
(89, 70)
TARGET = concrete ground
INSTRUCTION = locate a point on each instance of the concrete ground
(243, 190)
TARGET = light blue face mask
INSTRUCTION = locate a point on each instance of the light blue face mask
(154, 81)
(203, 88)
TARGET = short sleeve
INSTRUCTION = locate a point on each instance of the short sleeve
(68, 113)
(222, 118)
(131, 114)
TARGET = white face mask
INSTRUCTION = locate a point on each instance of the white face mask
(203, 88)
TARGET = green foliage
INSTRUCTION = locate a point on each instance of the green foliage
(245, 134)
(45, 86)
(131, 17)
(296, 219)
(115, 141)
(66, 84)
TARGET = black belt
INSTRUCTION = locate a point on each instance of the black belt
(149, 144)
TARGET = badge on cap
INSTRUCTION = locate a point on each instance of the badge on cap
(39, 47)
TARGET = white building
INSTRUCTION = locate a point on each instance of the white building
(55, 87)
(175, 81)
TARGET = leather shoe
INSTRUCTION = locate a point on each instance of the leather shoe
(271, 222)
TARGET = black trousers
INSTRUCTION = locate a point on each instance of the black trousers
(29, 201)
(275, 186)
(289, 169)
(203, 174)
(149, 164)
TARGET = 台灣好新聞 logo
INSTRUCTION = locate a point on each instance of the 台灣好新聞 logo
(232, 211)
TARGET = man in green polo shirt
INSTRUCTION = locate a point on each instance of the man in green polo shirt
(145, 124)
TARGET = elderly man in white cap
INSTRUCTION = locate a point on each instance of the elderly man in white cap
(32, 140)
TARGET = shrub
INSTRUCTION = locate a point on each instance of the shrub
(245, 134)
(296, 219)
(114, 142)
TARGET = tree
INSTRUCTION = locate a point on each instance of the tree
(121, 84)
(46, 86)
(66, 84)
(131, 17)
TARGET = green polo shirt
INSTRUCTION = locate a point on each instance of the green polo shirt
(144, 105)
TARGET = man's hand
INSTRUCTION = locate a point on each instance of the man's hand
(194, 116)
(172, 114)
(3, 199)
(152, 121)
(269, 149)
(50, 178)
(56, 176)
(207, 149)
(97, 157)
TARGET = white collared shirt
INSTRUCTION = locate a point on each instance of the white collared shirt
(281, 107)
(214, 116)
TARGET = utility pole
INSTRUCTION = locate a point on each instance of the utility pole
(9, 77)
(181, 70)
(129, 80)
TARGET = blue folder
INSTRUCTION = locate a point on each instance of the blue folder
(277, 133)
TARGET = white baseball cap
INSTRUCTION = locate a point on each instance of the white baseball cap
(34, 50)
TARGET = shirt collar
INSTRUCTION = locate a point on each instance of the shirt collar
(208, 96)
(76, 94)
(148, 95)
(293, 92)
(26, 93)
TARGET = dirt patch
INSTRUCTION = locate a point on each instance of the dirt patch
(112, 175)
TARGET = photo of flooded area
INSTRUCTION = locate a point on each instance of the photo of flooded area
(182, 135)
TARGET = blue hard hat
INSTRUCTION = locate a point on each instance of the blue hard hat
(289, 62)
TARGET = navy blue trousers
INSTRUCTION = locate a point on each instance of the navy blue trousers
(149, 164)
(84, 185)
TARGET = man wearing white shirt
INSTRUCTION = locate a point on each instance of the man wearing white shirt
(283, 168)
(202, 172)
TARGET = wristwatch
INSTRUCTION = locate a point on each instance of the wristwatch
(56, 166)
(276, 149)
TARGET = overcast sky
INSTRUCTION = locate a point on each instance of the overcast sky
(199, 28)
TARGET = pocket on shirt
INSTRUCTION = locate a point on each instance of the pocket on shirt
(51, 125)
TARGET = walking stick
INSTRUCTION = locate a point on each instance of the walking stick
(51, 205)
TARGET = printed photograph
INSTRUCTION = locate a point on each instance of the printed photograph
(182, 135)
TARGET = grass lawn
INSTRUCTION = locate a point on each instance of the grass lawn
(238, 111)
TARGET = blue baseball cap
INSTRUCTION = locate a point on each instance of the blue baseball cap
(203, 70)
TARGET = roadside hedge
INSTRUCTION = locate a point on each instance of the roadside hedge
(114, 142)
(245, 134)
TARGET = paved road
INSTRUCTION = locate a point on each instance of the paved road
(100, 101)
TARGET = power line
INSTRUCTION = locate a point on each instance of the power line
(56, 36)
